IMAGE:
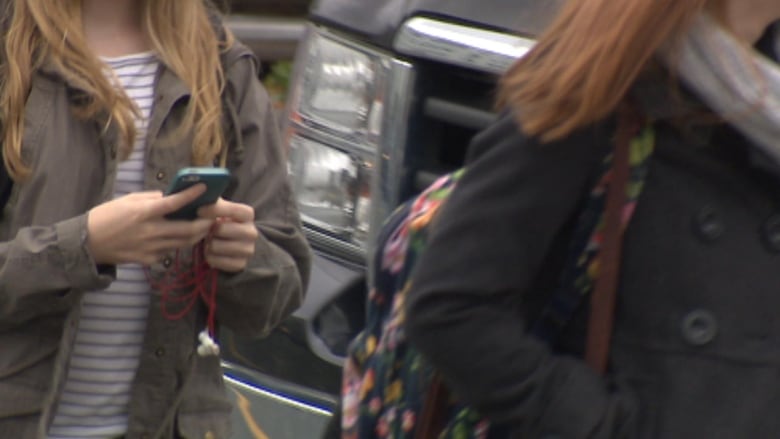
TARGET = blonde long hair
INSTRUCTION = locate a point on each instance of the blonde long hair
(181, 33)
(583, 65)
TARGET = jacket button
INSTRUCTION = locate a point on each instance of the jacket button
(772, 233)
(159, 352)
(708, 225)
(209, 435)
(699, 327)
(167, 262)
(160, 175)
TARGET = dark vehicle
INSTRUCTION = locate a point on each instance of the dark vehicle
(385, 97)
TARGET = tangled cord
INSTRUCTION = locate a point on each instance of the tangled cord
(201, 281)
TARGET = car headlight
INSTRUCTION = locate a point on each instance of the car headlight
(338, 87)
(335, 114)
(333, 188)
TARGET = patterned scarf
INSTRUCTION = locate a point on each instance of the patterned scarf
(734, 80)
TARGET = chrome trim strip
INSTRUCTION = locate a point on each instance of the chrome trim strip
(465, 46)
(462, 115)
(391, 151)
(276, 397)
(337, 247)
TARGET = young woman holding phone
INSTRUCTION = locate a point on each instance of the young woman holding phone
(101, 103)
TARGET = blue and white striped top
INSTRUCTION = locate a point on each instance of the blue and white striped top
(94, 403)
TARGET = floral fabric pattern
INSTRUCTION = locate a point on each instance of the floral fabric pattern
(385, 379)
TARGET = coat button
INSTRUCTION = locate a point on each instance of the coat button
(699, 327)
(772, 234)
(160, 175)
(209, 435)
(708, 225)
(167, 262)
(159, 352)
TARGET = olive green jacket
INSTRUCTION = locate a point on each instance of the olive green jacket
(45, 266)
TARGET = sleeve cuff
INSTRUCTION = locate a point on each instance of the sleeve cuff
(79, 267)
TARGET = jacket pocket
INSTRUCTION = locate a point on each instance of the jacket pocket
(19, 401)
(20, 427)
(50, 308)
(646, 392)
(26, 367)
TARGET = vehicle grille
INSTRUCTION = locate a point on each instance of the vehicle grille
(451, 105)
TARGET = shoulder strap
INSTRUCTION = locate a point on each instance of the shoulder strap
(433, 416)
(614, 197)
(602, 300)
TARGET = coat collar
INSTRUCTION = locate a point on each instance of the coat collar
(664, 99)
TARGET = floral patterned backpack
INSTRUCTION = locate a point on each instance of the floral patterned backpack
(389, 390)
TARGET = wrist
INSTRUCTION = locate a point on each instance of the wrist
(92, 244)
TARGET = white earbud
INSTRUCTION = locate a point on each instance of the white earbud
(207, 345)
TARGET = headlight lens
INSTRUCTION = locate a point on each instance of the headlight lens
(335, 115)
(337, 87)
(332, 187)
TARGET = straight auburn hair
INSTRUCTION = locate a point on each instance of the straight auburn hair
(44, 31)
(585, 62)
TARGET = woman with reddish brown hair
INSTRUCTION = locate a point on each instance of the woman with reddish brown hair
(695, 345)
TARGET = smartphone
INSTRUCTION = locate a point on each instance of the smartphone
(215, 179)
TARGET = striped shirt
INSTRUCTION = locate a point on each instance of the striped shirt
(94, 403)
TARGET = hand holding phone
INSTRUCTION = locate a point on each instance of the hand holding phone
(132, 228)
(215, 179)
(232, 240)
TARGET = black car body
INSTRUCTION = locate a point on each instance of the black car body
(385, 97)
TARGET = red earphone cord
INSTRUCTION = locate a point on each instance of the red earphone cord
(201, 279)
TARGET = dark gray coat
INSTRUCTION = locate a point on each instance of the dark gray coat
(696, 346)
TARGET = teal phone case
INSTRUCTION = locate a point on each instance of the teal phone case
(215, 179)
